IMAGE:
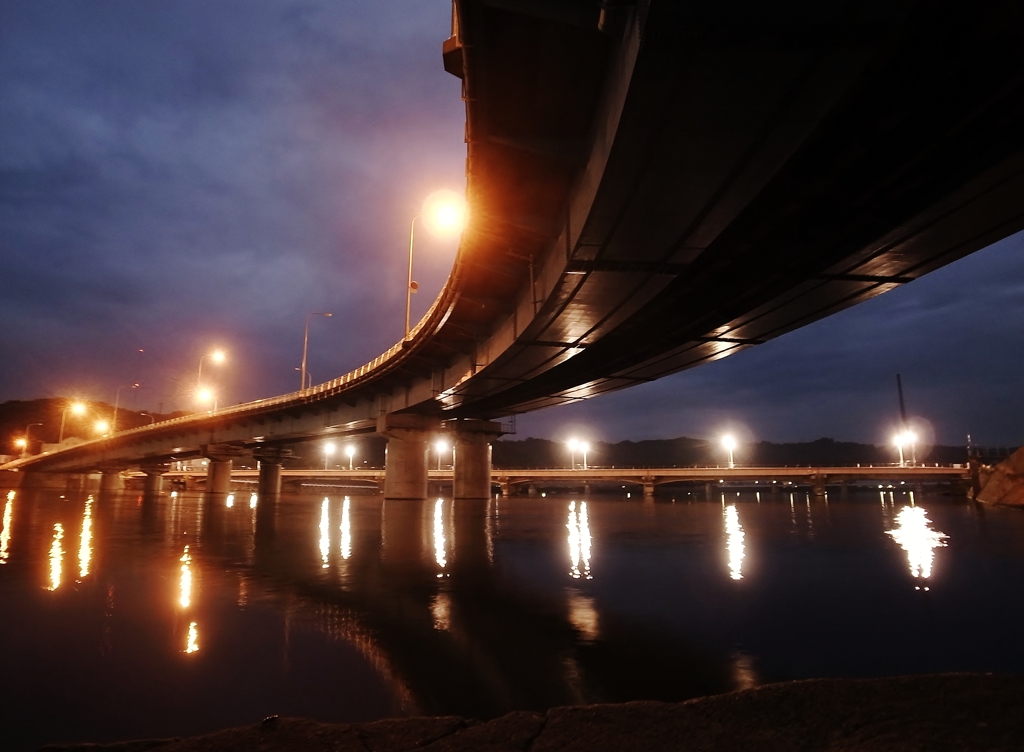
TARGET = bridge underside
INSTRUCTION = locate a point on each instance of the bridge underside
(655, 185)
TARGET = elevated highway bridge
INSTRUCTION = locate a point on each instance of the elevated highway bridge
(654, 185)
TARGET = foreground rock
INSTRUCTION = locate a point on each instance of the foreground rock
(1004, 484)
(939, 712)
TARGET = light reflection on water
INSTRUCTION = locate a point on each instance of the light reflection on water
(85, 548)
(916, 536)
(440, 555)
(734, 542)
(5, 534)
(192, 639)
(579, 541)
(56, 556)
(346, 529)
(325, 534)
(185, 581)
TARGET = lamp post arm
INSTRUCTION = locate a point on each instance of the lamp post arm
(305, 347)
(408, 283)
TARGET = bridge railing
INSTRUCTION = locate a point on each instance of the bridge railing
(326, 388)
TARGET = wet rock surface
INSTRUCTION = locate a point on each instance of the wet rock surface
(936, 712)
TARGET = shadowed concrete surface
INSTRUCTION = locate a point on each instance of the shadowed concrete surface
(936, 712)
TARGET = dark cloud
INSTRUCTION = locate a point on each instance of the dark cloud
(178, 175)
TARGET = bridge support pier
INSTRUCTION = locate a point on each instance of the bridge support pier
(405, 463)
(648, 491)
(154, 482)
(270, 478)
(472, 471)
(531, 490)
(110, 481)
(218, 476)
(270, 459)
(506, 489)
(218, 472)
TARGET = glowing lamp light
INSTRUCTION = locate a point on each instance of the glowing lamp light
(329, 448)
(445, 212)
(729, 444)
(21, 443)
(350, 451)
(78, 408)
(101, 427)
(204, 395)
(218, 356)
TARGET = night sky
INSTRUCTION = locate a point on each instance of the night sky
(181, 176)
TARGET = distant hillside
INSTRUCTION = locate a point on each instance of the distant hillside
(16, 415)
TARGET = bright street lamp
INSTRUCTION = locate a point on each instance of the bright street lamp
(584, 447)
(76, 408)
(729, 444)
(205, 396)
(445, 214)
(101, 427)
(305, 346)
(328, 452)
(441, 446)
(351, 452)
(22, 444)
(573, 446)
(902, 439)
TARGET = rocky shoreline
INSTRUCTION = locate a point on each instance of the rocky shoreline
(932, 712)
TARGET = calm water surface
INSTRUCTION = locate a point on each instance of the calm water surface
(124, 618)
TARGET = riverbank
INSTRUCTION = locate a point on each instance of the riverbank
(934, 712)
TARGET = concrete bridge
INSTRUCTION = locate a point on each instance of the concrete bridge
(645, 479)
(654, 185)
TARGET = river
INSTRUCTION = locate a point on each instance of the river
(130, 618)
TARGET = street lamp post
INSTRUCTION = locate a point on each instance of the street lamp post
(117, 402)
(573, 446)
(729, 444)
(440, 446)
(305, 344)
(585, 447)
(217, 356)
(350, 451)
(328, 452)
(445, 213)
(76, 408)
(152, 420)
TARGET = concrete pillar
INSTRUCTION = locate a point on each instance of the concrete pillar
(271, 458)
(218, 476)
(111, 480)
(472, 472)
(472, 475)
(531, 490)
(648, 491)
(405, 466)
(506, 489)
(154, 484)
(405, 463)
(707, 492)
(819, 487)
(270, 478)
